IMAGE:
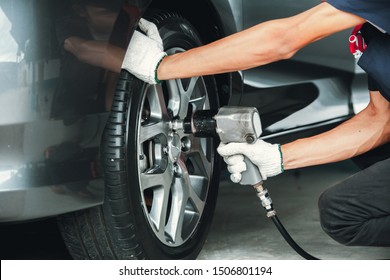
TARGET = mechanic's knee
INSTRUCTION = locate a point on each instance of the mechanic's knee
(326, 211)
(335, 217)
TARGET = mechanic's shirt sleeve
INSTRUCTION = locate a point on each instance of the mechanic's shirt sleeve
(376, 58)
(376, 12)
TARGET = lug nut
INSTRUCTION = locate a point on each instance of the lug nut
(177, 171)
(185, 144)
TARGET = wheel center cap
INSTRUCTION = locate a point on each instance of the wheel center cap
(174, 143)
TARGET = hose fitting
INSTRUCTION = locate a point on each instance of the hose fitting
(265, 198)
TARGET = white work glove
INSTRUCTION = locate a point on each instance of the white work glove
(267, 157)
(144, 53)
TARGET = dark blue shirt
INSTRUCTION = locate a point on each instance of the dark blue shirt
(376, 59)
(374, 11)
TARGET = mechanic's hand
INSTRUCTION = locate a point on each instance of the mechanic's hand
(267, 157)
(144, 53)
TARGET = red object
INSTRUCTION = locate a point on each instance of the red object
(357, 46)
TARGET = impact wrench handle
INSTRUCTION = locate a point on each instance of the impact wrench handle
(251, 176)
(241, 125)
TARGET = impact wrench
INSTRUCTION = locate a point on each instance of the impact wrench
(241, 125)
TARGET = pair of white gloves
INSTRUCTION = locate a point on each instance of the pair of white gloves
(143, 56)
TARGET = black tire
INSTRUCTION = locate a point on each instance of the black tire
(161, 185)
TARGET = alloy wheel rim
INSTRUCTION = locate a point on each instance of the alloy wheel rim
(174, 169)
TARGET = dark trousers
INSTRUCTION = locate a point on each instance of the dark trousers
(356, 211)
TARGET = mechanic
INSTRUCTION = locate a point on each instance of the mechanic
(355, 211)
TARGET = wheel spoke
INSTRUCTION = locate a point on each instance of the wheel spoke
(183, 93)
(174, 96)
(200, 154)
(180, 195)
(158, 108)
(187, 91)
(159, 209)
(160, 185)
(151, 130)
(197, 183)
(158, 119)
(151, 180)
(198, 103)
(187, 86)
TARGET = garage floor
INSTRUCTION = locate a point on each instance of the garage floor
(242, 231)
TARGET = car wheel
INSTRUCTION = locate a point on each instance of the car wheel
(161, 185)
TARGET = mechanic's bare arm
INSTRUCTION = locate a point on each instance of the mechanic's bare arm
(96, 53)
(368, 129)
(264, 43)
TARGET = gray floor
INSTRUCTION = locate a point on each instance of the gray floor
(241, 230)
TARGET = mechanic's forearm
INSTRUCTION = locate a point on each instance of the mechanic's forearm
(236, 52)
(365, 131)
(96, 53)
(262, 44)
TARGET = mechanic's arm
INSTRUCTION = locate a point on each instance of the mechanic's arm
(368, 129)
(264, 43)
(96, 53)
